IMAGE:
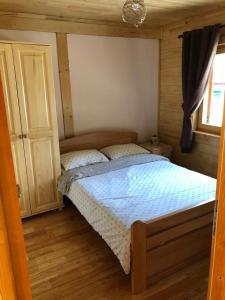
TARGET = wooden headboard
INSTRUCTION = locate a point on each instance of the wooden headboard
(97, 140)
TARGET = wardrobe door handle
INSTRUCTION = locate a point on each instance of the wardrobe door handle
(18, 190)
(22, 136)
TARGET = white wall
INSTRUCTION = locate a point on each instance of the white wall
(45, 38)
(114, 83)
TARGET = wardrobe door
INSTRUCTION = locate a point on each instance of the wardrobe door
(14, 124)
(39, 123)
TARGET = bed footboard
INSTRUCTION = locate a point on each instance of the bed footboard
(163, 246)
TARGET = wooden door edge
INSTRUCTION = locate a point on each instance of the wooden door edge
(215, 280)
(11, 212)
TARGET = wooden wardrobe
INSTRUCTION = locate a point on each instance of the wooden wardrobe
(27, 79)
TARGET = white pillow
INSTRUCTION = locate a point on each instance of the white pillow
(82, 158)
(117, 151)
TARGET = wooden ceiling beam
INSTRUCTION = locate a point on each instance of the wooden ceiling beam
(41, 23)
(65, 85)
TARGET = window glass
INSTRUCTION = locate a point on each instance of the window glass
(213, 102)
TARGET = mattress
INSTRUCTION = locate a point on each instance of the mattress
(113, 201)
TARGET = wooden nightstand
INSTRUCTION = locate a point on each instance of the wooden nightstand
(161, 149)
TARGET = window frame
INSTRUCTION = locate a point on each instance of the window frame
(198, 119)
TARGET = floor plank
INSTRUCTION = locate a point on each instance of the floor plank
(69, 260)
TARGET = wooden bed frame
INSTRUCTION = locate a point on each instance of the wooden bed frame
(164, 245)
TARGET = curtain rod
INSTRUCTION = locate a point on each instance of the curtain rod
(180, 36)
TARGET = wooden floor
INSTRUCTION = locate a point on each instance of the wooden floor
(69, 260)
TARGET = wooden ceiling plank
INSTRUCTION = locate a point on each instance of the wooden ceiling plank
(104, 18)
(197, 21)
(110, 11)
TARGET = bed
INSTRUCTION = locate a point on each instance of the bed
(151, 238)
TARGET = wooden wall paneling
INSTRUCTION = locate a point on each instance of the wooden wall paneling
(204, 157)
(65, 85)
(11, 210)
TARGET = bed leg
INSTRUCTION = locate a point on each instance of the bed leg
(138, 257)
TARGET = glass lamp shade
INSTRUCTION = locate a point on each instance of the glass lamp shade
(134, 12)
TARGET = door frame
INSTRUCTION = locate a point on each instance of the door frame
(14, 279)
(14, 283)
(216, 287)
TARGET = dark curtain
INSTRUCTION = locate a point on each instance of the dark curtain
(199, 50)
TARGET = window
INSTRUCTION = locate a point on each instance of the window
(210, 116)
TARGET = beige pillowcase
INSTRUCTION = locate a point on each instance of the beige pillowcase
(82, 158)
(117, 151)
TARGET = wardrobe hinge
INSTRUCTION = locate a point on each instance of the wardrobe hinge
(18, 189)
(215, 217)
